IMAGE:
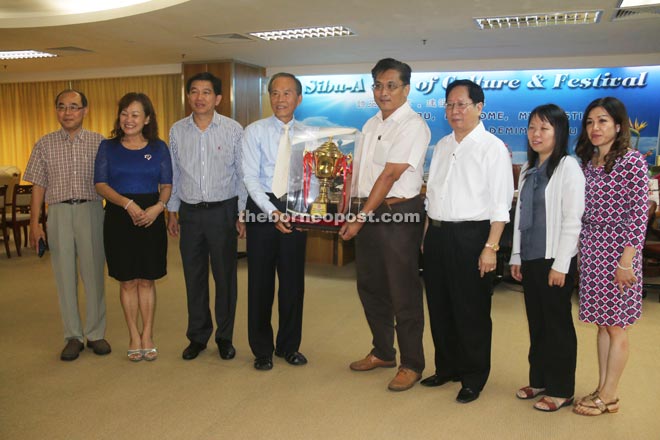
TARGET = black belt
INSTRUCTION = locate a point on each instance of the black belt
(206, 205)
(440, 223)
(75, 201)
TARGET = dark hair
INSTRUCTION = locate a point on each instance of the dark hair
(392, 64)
(585, 149)
(205, 76)
(83, 98)
(555, 116)
(150, 130)
(475, 91)
(285, 75)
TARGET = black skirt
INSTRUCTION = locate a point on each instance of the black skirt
(131, 251)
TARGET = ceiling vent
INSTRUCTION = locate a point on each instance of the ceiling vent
(225, 38)
(69, 50)
(636, 13)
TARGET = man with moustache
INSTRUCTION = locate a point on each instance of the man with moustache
(274, 245)
(469, 195)
(387, 254)
(208, 195)
(61, 169)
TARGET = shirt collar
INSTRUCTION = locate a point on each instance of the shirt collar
(398, 115)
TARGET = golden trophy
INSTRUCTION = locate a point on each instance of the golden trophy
(327, 163)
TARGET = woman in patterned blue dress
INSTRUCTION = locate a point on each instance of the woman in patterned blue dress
(611, 241)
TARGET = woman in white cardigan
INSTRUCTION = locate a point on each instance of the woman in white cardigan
(545, 244)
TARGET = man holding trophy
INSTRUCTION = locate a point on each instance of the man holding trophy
(389, 226)
(273, 245)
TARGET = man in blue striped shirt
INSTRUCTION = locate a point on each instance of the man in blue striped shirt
(207, 196)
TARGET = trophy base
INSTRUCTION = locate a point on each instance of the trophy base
(319, 209)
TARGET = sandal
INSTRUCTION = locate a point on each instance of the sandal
(591, 395)
(135, 355)
(526, 393)
(551, 405)
(150, 354)
(599, 407)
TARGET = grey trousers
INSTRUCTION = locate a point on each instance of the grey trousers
(75, 238)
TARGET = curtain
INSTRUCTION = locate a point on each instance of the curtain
(27, 113)
(28, 109)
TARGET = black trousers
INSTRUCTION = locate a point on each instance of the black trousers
(553, 344)
(209, 234)
(270, 251)
(387, 263)
(459, 300)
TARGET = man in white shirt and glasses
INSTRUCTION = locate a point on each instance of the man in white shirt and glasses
(469, 195)
(387, 252)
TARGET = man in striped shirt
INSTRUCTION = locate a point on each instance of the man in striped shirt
(207, 196)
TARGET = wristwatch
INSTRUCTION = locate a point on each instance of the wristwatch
(495, 247)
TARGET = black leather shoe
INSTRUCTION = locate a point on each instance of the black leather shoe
(294, 358)
(72, 350)
(192, 350)
(226, 350)
(263, 363)
(436, 381)
(467, 395)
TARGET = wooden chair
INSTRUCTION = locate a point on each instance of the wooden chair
(3, 218)
(20, 215)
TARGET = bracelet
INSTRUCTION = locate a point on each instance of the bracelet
(128, 204)
(623, 267)
(163, 203)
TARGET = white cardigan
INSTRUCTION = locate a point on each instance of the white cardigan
(564, 206)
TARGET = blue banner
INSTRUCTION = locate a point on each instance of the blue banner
(347, 100)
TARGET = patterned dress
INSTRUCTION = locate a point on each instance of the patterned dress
(615, 216)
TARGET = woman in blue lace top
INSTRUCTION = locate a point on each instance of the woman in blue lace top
(133, 172)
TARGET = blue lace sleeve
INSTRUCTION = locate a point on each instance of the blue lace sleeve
(165, 166)
(101, 164)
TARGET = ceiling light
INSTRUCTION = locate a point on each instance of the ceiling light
(539, 20)
(311, 32)
(24, 54)
(635, 3)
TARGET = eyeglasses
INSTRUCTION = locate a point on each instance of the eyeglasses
(460, 106)
(390, 86)
(73, 108)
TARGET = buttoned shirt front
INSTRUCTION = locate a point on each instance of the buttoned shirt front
(260, 145)
(401, 138)
(206, 164)
(471, 180)
(65, 166)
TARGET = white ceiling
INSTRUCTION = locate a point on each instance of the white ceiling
(410, 30)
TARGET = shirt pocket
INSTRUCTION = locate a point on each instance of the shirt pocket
(382, 152)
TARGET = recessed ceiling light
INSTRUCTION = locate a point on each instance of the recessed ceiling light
(310, 32)
(635, 3)
(539, 20)
(24, 54)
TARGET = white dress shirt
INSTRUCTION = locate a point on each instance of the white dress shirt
(401, 138)
(471, 180)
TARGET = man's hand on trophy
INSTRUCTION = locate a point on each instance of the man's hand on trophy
(281, 222)
(350, 230)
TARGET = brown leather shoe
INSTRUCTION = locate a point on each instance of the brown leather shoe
(370, 362)
(405, 379)
(72, 350)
